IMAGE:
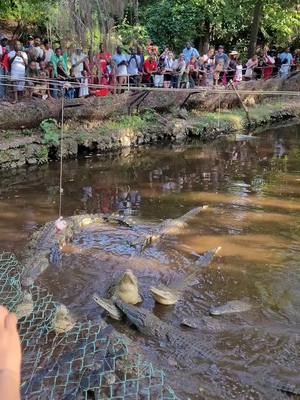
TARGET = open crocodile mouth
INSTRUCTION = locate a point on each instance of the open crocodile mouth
(161, 293)
(112, 310)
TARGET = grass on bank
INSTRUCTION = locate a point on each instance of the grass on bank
(234, 119)
(134, 122)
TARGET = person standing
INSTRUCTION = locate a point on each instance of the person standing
(140, 53)
(120, 63)
(57, 57)
(133, 69)
(37, 50)
(252, 63)
(3, 66)
(233, 61)
(159, 74)
(18, 62)
(269, 63)
(48, 51)
(179, 68)
(152, 49)
(286, 59)
(78, 60)
(189, 52)
(101, 61)
(169, 60)
(150, 68)
(286, 55)
(221, 64)
(210, 66)
(238, 73)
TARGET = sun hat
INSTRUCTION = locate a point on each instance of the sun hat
(234, 53)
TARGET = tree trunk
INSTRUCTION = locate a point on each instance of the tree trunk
(257, 15)
(136, 12)
(203, 41)
(30, 114)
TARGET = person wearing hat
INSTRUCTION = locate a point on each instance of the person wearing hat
(221, 63)
(233, 61)
(30, 43)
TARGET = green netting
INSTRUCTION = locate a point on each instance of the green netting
(88, 362)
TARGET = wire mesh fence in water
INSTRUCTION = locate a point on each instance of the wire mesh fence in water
(87, 362)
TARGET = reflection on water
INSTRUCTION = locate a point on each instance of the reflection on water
(253, 191)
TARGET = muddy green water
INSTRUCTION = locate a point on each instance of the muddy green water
(252, 189)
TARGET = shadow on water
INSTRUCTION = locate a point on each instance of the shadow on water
(252, 189)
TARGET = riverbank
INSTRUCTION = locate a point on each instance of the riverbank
(41, 145)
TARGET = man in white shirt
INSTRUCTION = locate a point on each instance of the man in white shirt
(77, 60)
(48, 51)
(37, 50)
(133, 68)
(18, 62)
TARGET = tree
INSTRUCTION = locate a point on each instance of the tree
(257, 16)
(279, 19)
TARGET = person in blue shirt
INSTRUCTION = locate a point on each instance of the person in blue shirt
(221, 64)
(222, 57)
(286, 56)
(189, 52)
(286, 60)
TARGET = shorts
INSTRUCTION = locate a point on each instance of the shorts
(19, 85)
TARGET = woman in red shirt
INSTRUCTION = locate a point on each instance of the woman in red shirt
(150, 67)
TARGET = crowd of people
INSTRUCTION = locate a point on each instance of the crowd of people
(37, 70)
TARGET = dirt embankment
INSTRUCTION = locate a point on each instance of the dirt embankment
(40, 145)
(30, 131)
(30, 114)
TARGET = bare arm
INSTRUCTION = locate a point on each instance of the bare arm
(10, 356)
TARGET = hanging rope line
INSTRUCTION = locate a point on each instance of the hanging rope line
(205, 90)
(61, 153)
(219, 112)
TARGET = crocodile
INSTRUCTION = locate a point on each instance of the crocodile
(38, 252)
(288, 388)
(25, 308)
(171, 227)
(233, 306)
(126, 289)
(44, 247)
(169, 295)
(62, 321)
(150, 325)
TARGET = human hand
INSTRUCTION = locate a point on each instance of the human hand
(10, 346)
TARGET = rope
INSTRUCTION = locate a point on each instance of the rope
(158, 89)
(219, 113)
(61, 153)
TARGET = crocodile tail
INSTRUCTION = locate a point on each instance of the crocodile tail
(192, 213)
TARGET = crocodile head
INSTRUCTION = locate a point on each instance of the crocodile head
(108, 306)
(139, 317)
(127, 289)
(129, 278)
(164, 295)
